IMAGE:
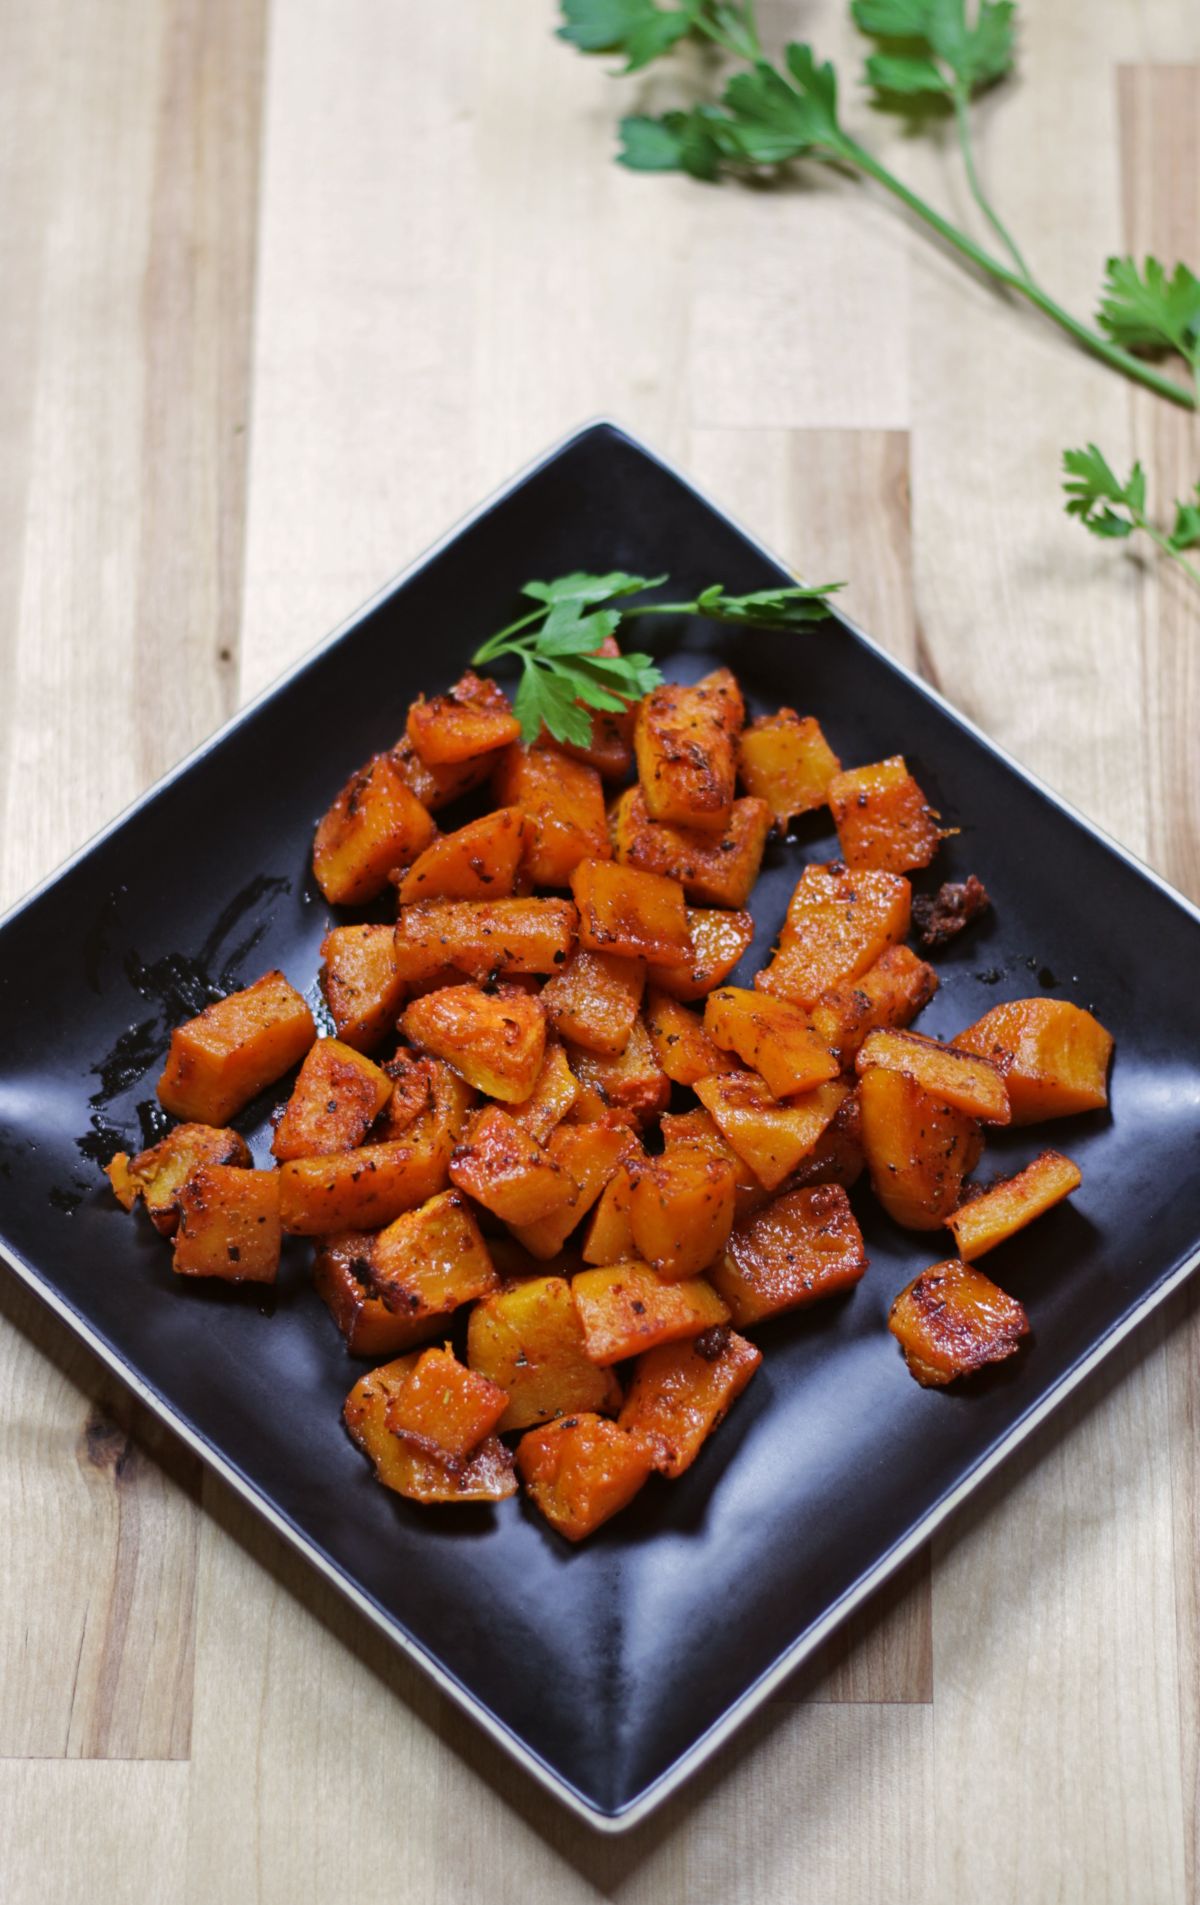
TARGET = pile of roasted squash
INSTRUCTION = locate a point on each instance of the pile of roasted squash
(588, 1162)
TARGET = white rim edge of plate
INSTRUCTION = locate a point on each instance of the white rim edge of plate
(710, 1743)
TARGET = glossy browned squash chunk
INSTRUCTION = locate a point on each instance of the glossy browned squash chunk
(580, 1471)
(918, 1151)
(625, 1309)
(159, 1173)
(837, 1156)
(411, 1080)
(483, 937)
(888, 995)
(683, 1391)
(496, 1040)
(360, 1189)
(838, 923)
(769, 1135)
(528, 1339)
(714, 869)
(437, 786)
(609, 1234)
(682, 1210)
(632, 1082)
(502, 1168)
(479, 862)
(719, 940)
(882, 817)
(1005, 1208)
(772, 1036)
(433, 1259)
(229, 1225)
(552, 1097)
(635, 915)
(234, 1049)
(685, 741)
(1053, 1056)
(376, 823)
(698, 1127)
(589, 1154)
(800, 1248)
(417, 1473)
(445, 1408)
(472, 718)
(362, 987)
(563, 801)
(681, 1044)
(342, 1278)
(956, 1078)
(334, 1102)
(594, 1000)
(786, 761)
(952, 1320)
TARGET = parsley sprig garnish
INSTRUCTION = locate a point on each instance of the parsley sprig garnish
(563, 677)
(1115, 510)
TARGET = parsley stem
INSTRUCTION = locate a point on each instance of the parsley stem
(1165, 544)
(962, 118)
(499, 643)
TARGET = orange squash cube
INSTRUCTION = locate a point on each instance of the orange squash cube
(437, 786)
(594, 1000)
(772, 1036)
(483, 937)
(625, 1308)
(496, 1040)
(681, 1392)
(159, 1173)
(444, 1408)
(528, 1339)
(681, 1044)
(563, 801)
(787, 762)
(362, 987)
(1053, 1056)
(376, 823)
(837, 1156)
(882, 818)
(918, 1150)
(360, 1189)
(632, 1082)
(698, 1127)
(952, 1320)
(451, 1101)
(335, 1101)
(489, 1475)
(343, 1279)
(478, 862)
(719, 940)
(1005, 1208)
(956, 1078)
(685, 739)
(552, 1097)
(609, 1237)
(411, 1081)
(887, 996)
(433, 1259)
(838, 923)
(580, 1471)
(588, 1154)
(472, 718)
(234, 1049)
(229, 1225)
(682, 1210)
(801, 1248)
(502, 1168)
(714, 869)
(635, 915)
(770, 1136)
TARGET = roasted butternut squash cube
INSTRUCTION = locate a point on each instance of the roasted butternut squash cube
(483, 937)
(959, 1079)
(588, 1154)
(234, 1049)
(681, 1392)
(609, 1235)
(552, 1097)
(478, 862)
(685, 742)
(719, 940)
(436, 787)
(580, 1471)
(335, 1101)
(882, 818)
(360, 1189)
(767, 1134)
(229, 1225)
(795, 1251)
(563, 801)
(502, 1168)
(376, 823)
(594, 1000)
(681, 1044)
(362, 987)
(633, 1081)
(634, 915)
(496, 1040)
(411, 1081)
(474, 717)
(488, 1475)
(159, 1173)
(837, 1156)
(433, 1259)
(529, 1340)
(445, 1408)
(772, 1036)
(342, 1278)
(952, 1320)
(1005, 1208)
(1053, 1056)
(714, 869)
(887, 996)
(786, 761)
(625, 1308)
(452, 1100)
(682, 1210)
(839, 922)
(698, 1127)
(918, 1150)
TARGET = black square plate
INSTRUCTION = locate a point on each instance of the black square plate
(610, 1670)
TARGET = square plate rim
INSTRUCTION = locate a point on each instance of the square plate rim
(620, 1819)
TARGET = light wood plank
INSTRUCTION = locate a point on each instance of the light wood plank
(92, 1832)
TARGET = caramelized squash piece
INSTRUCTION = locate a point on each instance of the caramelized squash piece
(564, 802)
(483, 937)
(433, 1259)
(786, 761)
(411, 1080)
(472, 718)
(1053, 1056)
(698, 1127)
(838, 923)
(685, 739)
(681, 1044)
(683, 1391)
(452, 1100)
(552, 1097)
(588, 1154)
(837, 1156)
(502, 1168)
(952, 1320)
(635, 915)
(478, 862)
(887, 996)
(342, 1278)
(376, 823)
(882, 817)
(772, 1036)
(682, 1210)
(632, 1082)
(1005, 1208)
(918, 1150)
(953, 1077)
(444, 1408)
(367, 1187)
(335, 1101)
(801, 1248)
(714, 869)
(594, 1000)
(437, 786)
(362, 987)
(625, 1309)
(609, 1236)
(770, 1136)
(159, 1173)
(229, 1225)
(719, 940)
(488, 1476)
(496, 1040)
(580, 1471)
(234, 1049)
(528, 1339)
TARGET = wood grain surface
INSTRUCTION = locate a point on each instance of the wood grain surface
(287, 290)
